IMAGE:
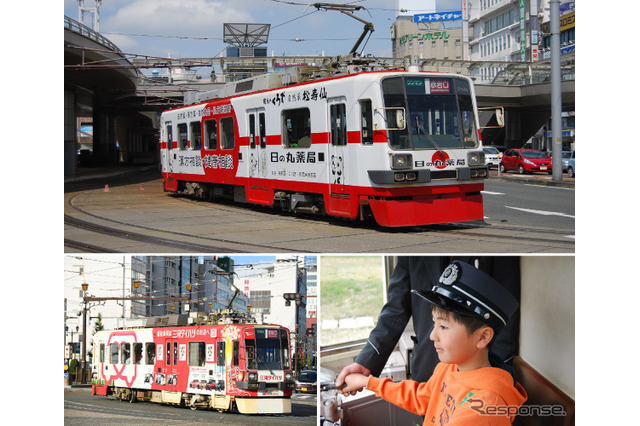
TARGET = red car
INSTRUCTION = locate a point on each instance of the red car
(525, 161)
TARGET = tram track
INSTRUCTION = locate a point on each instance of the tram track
(169, 241)
(130, 218)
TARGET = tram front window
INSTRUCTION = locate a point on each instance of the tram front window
(439, 112)
(269, 350)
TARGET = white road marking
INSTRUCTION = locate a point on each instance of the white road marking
(492, 193)
(547, 186)
(542, 212)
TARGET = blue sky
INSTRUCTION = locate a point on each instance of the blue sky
(193, 28)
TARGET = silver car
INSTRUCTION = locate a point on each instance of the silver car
(491, 156)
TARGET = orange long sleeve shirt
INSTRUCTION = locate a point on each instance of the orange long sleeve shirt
(486, 396)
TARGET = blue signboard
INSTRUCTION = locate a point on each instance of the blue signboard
(442, 16)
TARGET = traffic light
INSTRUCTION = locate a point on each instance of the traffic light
(288, 297)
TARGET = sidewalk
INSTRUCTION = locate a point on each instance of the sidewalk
(532, 179)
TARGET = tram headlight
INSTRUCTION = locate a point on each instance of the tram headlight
(288, 377)
(401, 161)
(475, 158)
(252, 377)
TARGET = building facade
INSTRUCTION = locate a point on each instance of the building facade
(287, 276)
(206, 281)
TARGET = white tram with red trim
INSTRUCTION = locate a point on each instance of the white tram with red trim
(401, 146)
(243, 366)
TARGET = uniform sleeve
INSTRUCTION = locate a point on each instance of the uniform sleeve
(408, 394)
(392, 321)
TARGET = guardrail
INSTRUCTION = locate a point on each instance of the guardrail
(82, 29)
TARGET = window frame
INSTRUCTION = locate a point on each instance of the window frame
(227, 133)
(183, 136)
(296, 126)
(195, 135)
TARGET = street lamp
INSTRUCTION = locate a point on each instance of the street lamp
(83, 352)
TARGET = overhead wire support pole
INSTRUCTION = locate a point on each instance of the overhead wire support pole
(347, 9)
(556, 93)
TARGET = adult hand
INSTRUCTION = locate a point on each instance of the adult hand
(351, 369)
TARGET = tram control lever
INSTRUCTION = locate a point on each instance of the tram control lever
(325, 388)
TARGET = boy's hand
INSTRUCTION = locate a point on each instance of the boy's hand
(355, 382)
(350, 369)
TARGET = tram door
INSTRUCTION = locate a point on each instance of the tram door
(168, 152)
(257, 146)
(171, 364)
(337, 144)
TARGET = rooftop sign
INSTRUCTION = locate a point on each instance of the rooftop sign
(438, 16)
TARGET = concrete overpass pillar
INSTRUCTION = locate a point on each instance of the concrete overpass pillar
(104, 141)
(70, 133)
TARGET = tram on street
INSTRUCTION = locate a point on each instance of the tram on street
(402, 147)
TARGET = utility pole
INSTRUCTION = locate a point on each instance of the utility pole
(556, 92)
(86, 299)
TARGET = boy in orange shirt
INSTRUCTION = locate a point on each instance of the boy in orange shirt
(466, 388)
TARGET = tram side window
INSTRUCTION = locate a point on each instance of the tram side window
(252, 131)
(211, 134)
(126, 353)
(263, 132)
(220, 354)
(196, 135)
(175, 353)
(296, 128)
(284, 347)
(137, 353)
(183, 137)
(150, 354)
(366, 119)
(196, 354)
(227, 133)
(338, 124)
(169, 137)
(113, 353)
(236, 353)
(101, 352)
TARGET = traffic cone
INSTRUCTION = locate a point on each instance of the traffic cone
(106, 188)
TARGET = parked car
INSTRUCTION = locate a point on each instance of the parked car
(566, 155)
(307, 381)
(525, 161)
(491, 156)
(571, 166)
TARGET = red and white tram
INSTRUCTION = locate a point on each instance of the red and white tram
(401, 146)
(243, 366)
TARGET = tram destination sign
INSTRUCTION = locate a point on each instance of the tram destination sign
(433, 17)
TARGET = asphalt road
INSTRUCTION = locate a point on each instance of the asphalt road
(530, 204)
(131, 213)
(81, 408)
